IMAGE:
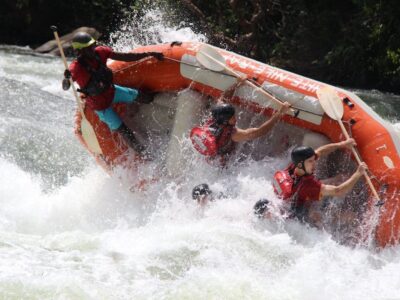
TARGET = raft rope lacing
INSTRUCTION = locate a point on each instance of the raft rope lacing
(205, 69)
(349, 125)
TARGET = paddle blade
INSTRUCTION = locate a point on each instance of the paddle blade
(208, 57)
(330, 102)
(89, 136)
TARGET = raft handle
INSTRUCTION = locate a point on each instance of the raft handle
(348, 102)
(383, 147)
(176, 43)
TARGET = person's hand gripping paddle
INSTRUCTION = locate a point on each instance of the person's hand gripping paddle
(210, 58)
(87, 130)
(333, 107)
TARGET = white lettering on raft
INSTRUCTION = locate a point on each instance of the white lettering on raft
(304, 84)
(276, 75)
(300, 83)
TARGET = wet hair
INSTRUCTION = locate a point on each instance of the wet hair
(260, 207)
(199, 190)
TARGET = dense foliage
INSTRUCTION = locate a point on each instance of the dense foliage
(347, 42)
(27, 22)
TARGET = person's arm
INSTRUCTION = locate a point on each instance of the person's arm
(135, 56)
(242, 135)
(345, 187)
(326, 149)
(228, 94)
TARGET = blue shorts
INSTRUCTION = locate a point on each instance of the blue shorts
(122, 95)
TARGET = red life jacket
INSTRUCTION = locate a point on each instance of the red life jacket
(283, 183)
(212, 139)
(287, 185)
(101, 77)
(87, 84)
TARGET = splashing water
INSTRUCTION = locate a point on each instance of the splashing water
(151, 29)
(70, 231)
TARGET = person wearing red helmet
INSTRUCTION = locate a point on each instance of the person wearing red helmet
(95, 82)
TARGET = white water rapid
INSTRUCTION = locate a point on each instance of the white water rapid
(68, 230)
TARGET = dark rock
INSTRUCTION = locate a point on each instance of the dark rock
(52, 48)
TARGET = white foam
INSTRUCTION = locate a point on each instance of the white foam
(150, 29)
(92, 238)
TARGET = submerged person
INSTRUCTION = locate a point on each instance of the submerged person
(218, 137)
(95, 82)
(202, 194)
(298, 185)
(261, 209)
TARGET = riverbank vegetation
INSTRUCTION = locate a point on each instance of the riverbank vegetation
(346, 42)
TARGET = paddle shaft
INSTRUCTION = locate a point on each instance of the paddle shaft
(66, 67)
(232, 72)
(359, 161)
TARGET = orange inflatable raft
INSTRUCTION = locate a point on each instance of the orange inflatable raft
(377, 142)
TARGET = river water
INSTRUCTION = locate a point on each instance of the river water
(68, 230)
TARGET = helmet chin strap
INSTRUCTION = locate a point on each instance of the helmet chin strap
(303, 167)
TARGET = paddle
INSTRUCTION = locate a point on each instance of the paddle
(333, 107)
(87, 130)
(212, 60)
